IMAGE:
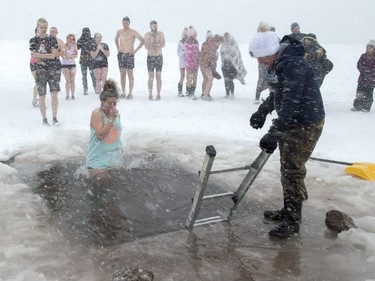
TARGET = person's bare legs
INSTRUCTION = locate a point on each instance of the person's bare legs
(191, 82)
(54, 104)
(73, 81)
(189, 78)
(123, 80)
(42, 106)
(131, 82)
(35, 89)
(103, 77)
(180, 82)
(67, 81)
(195, 78)
(182, 76)
(207, 73)
(98, 73)
(150, 84)
(158, 84)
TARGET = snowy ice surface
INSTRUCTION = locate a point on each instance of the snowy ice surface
(178, 127)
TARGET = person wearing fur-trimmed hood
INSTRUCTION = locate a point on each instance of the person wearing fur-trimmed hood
(317, 56)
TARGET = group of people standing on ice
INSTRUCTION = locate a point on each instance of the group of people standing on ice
(192, 57)
(293, 68)
(50, 56)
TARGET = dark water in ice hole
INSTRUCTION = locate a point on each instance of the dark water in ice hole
(151, 195)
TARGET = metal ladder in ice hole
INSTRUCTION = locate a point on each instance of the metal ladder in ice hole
(254, 169)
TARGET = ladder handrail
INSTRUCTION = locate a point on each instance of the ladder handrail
(254, 169)
(201, 186)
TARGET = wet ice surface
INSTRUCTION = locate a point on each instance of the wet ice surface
(137, 219)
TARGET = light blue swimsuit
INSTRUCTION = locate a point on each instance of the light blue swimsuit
(106, 153)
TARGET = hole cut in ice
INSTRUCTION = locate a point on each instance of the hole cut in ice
(151, 194)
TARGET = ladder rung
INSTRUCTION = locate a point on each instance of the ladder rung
(209, 220)
(231, 193)
(230, 170)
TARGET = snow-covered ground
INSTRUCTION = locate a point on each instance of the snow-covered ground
(179, 128)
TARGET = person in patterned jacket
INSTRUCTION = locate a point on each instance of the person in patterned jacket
(191, 62)
(231, 64)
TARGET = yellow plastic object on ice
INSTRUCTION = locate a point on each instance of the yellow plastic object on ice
(362, 170)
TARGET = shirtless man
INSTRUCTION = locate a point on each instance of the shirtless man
(124, 41)
(154, 42)
(53, 32)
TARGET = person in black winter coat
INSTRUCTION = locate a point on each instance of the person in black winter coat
(86, 43)
(317, 56)
(296, 31)
(366, 80)
(296, 98)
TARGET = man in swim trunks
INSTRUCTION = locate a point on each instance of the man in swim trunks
(154, 42)
(124, 41)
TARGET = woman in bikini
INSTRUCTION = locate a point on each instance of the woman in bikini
(100, 62)
(70, 53)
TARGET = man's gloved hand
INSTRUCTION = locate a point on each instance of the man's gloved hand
(269, 141)
(259, 117)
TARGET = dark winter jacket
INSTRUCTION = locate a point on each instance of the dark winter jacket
(86, 43)
(294, 93)
(297, 36)
(366, 67)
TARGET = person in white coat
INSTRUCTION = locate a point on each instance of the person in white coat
(182, 57)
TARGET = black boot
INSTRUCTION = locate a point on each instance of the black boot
(180, 94)
(274, 215)
(277, 215)
(290, 224)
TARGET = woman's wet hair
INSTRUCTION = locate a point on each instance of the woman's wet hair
(41, 21)
(110, 90)
(70, 35)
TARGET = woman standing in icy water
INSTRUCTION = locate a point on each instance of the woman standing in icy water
(105, 147)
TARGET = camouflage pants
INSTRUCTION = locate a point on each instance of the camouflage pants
(296, 148)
